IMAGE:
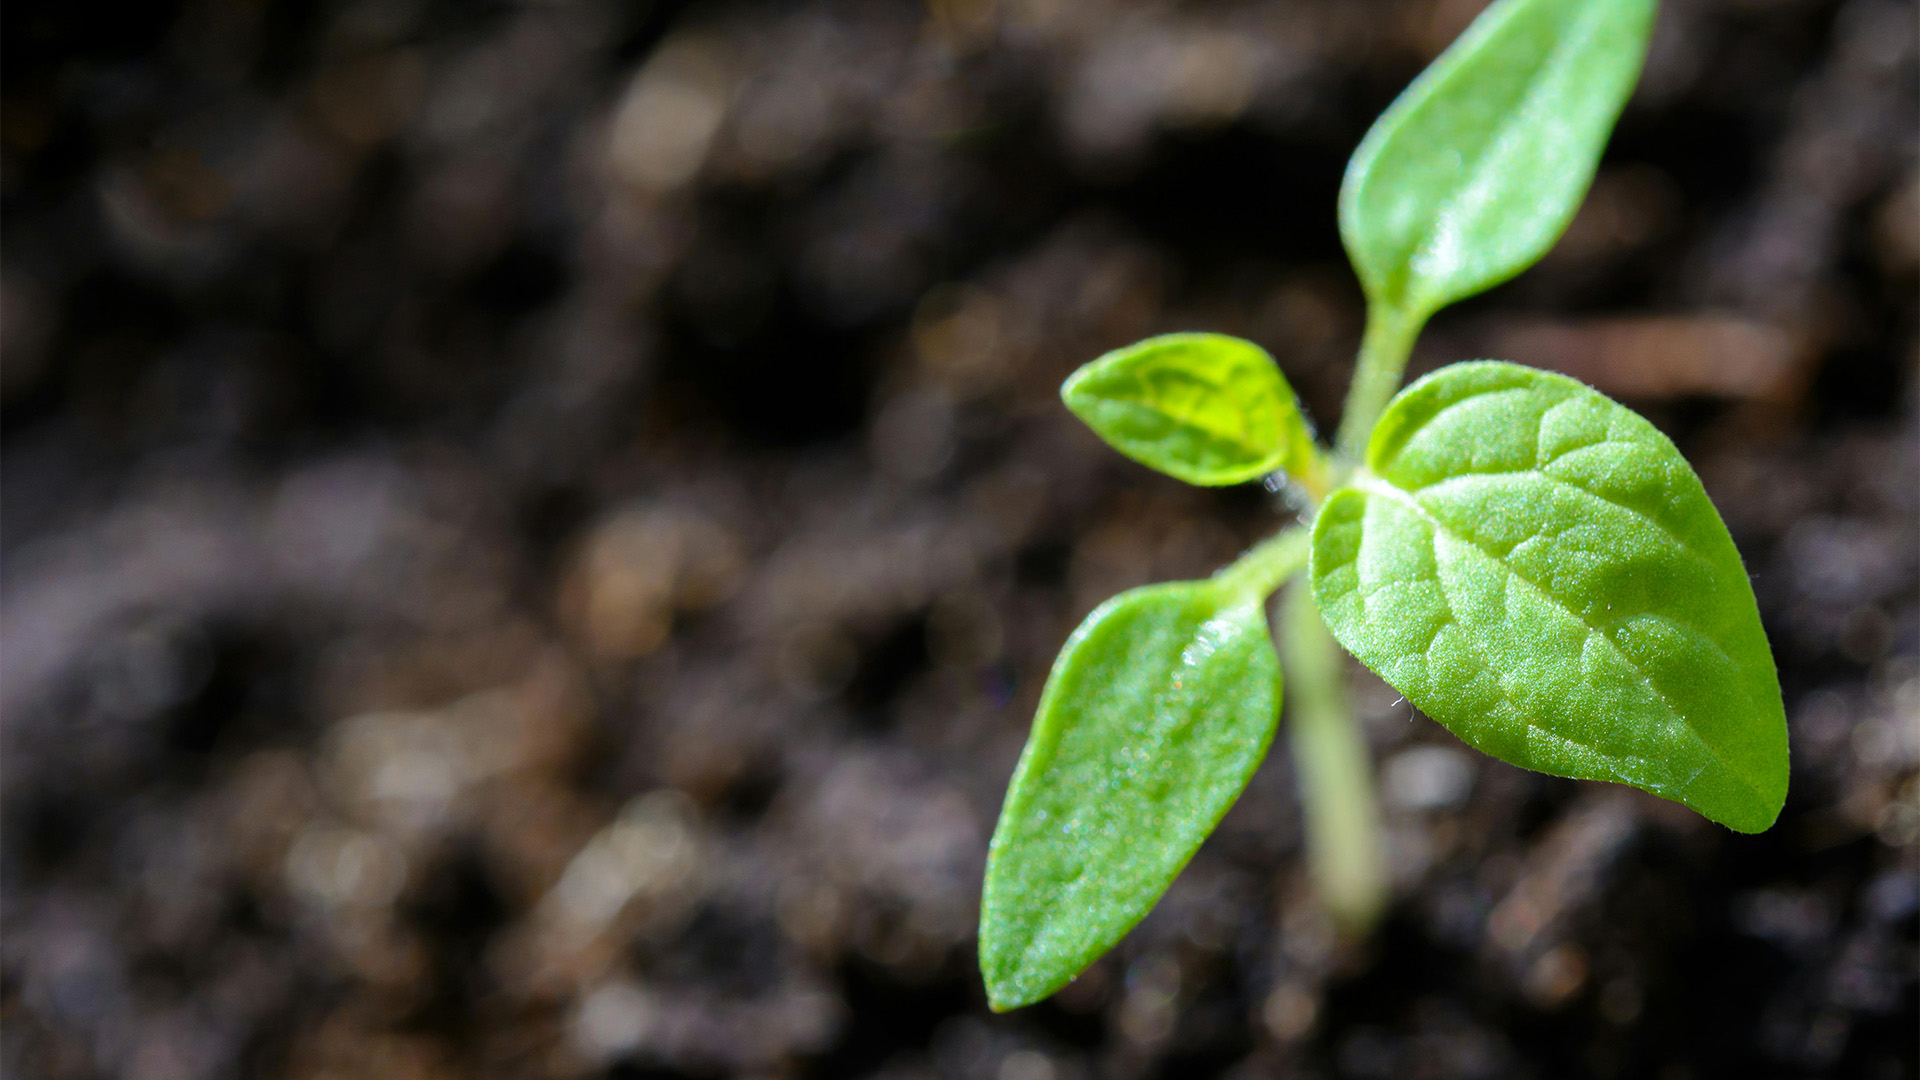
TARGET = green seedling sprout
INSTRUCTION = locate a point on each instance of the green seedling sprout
(1530, 563)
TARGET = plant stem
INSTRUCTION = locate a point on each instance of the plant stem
(1331, 762)
(1267, 565)
(1383, 359)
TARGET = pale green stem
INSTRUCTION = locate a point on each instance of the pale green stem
(1267, 565)
(1331, 762)
(1383, 359)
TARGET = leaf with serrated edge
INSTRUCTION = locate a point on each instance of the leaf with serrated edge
(1204, 408)
(1157, 711)
(1537, 568)
(1473, 173)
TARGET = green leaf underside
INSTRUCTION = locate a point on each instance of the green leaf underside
(1477, 168)
(1159, 708)
(1537, 568)
(1204, 408)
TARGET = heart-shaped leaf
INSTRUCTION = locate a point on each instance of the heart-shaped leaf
(1204, 408)
(1157, 711)
(1537, 568)
(1476, 169)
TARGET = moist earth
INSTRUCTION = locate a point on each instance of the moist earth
(532, 534)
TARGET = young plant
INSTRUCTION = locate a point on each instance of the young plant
(1530, 563)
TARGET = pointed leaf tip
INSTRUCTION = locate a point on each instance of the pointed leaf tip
(1474, 172)
(1157, 711)
(1537, 568)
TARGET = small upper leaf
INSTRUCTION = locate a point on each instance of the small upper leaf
(1204, 408)
(1537, 568)
(1476, 169)
(1157, 711)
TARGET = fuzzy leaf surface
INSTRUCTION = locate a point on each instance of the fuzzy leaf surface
(1204, 408)
(1536, 567)
(1157, 711)
(1473, 173)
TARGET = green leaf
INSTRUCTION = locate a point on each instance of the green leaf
(1476, 169)
(1537, 568)
(1204, 408)
(1157, 711)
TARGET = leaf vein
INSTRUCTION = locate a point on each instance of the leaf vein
(1375, 486)
(1569, 485)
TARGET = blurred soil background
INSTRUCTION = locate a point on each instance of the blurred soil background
(532, 533)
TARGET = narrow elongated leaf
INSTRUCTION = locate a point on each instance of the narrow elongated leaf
(1537, 568)
(1475, 171)
(1204, 408)
(1157, 711)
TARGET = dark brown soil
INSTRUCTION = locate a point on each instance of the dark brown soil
(531, 535)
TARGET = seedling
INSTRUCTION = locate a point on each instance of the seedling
(1530, 563)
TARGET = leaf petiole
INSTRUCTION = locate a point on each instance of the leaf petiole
(1267, 565)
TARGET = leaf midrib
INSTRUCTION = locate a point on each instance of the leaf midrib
(1368, 484)
(1541, 462)
(1187, 419)
(1635, 512)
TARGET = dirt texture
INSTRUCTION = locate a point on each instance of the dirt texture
(532, 532)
